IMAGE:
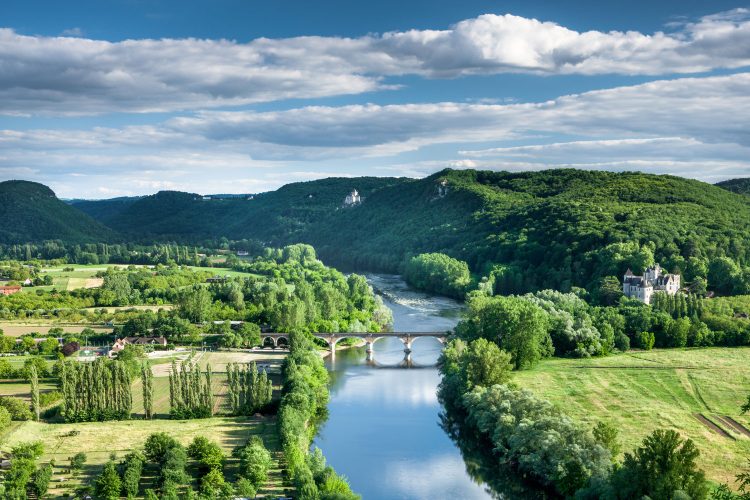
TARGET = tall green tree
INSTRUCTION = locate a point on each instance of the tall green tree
(662, 466)
(147, 377)
(518, 326)
(34, 377)
(108, 484)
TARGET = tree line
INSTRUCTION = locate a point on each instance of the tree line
(250, 391)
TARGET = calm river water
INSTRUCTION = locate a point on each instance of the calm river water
(383, 429)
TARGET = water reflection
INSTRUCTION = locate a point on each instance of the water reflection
(383, 429)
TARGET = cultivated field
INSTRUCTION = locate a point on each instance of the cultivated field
(697, 392)
(18, 328)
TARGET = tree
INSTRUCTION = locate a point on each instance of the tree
(35, 393)
(18, 408)
(147, 377)
(108, 484)
(118, 284)
(662, 466)
(4, 418)
(131, 476)
(41, 479)
(195, 304)
(76, 462)
(606, 434)
(515, 324)
(208, 454)
(255, 462)
(610, 290)
(722, 273)
(438, 273)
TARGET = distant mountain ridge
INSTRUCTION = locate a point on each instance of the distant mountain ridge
(741, 186)
(30, 212)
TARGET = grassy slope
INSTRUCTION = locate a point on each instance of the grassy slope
(643, 391)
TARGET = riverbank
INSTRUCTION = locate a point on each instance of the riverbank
(382, 430)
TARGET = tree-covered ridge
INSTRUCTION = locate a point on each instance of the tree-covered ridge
(741, 186)
(549, 229)
(104, 210)
(523, 231)
(31, 212)
(273, 216)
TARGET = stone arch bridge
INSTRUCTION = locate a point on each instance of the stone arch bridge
(408, 338)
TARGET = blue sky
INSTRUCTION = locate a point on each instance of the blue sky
(102, 99)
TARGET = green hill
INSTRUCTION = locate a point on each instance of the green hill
(548, 229)
(276, 216)
(31, 212)
(741, 186)
(554, 228)
(104, 210)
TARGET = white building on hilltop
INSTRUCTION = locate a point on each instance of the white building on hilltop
(352, 198)
(654, 279)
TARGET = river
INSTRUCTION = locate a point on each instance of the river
(383, 429)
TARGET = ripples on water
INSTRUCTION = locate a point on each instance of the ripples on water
(383, 430)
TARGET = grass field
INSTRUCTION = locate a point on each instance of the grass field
(100, 439)
(221, 271)
(17, 328)
(642, 391)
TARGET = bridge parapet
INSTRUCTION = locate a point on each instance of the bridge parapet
(369, 337)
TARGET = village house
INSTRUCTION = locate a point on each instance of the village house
(654, 279)
(120, 344)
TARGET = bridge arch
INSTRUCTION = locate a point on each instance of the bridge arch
(268, 341)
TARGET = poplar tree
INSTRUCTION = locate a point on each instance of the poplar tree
(148, 390)
(34, 376)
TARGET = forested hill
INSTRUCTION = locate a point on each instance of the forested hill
(525, 231)
(741, 186)
(31, 212)
(272, 217)
(554, 228)
(104, 210)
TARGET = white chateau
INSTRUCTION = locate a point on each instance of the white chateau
(654, 279)
(352, 198)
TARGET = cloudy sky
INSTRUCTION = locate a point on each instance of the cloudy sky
(103, 99)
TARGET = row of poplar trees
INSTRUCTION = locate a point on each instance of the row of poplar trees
(190, 394)
(249, 391)
(95, 391)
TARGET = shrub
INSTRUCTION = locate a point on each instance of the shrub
(646, 340)
(108, 483)
(255, 461)
(17, 407)
(4, 418)
(77, 461)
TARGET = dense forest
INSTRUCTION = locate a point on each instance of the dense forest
(31, 212)
(522, 231)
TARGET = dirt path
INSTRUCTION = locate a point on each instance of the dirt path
(736, 425)
(718, 430)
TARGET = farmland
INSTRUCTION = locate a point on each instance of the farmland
(690, 390)
(99, 439)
